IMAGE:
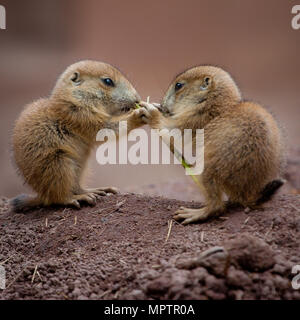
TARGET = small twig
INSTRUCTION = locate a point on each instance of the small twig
(34, 273)
(1, 263)
(100, 210)
(102, 231)
(61, 221)
(178, 223)
(271, 227)
(245, 222)
(119, 204)
(170, 223)
(202, 236)
(65, 296)
(123, 262)
(75, 220)
(17, 276)
(294, 207)
(212, 251)
(104, 293)
(46, 222)
(39, 275)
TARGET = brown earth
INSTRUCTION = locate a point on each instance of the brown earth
(120, 249)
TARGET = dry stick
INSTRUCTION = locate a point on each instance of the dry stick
(65, 209)
(119, 204)
(170, 223)
(39, 275)
(1, 263)
(100, 210)
(46, 222)
(61, 221)
(34, 273)
(271, 227)
(180, 224)
(223, 218)
(65, 296)
(75, 220)
(116, 206)
(202, 236)
(245, 222)
(123, 262)
(102, 231)
(17, 276)
(104, 293)
(294, 207)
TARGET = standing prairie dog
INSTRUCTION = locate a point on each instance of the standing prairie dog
(53, 137)
(243, 152)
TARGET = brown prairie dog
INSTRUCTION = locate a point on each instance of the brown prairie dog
(243, 148)
(53, 137)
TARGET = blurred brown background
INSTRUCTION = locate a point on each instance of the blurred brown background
(150, 41)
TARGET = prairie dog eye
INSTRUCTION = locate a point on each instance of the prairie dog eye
(108, 82)
(178, 86)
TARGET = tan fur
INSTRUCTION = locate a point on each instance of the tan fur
(243, 149)
(53, 137)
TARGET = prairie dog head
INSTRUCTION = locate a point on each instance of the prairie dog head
(97, 86)
(200, 88)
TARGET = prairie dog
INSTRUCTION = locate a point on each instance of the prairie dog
(243, 148)
(53, 137)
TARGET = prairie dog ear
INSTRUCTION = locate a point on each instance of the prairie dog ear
(206, 83)
(75, 78)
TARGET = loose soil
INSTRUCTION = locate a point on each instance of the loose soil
(128, 247)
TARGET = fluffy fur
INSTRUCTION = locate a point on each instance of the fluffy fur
(53, 137)
(243, 148)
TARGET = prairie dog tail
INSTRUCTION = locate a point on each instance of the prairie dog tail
(23, 203)
(269, 190)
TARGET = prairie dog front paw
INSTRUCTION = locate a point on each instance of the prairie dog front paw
(149, 112)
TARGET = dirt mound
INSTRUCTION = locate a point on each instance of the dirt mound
(118, 250)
